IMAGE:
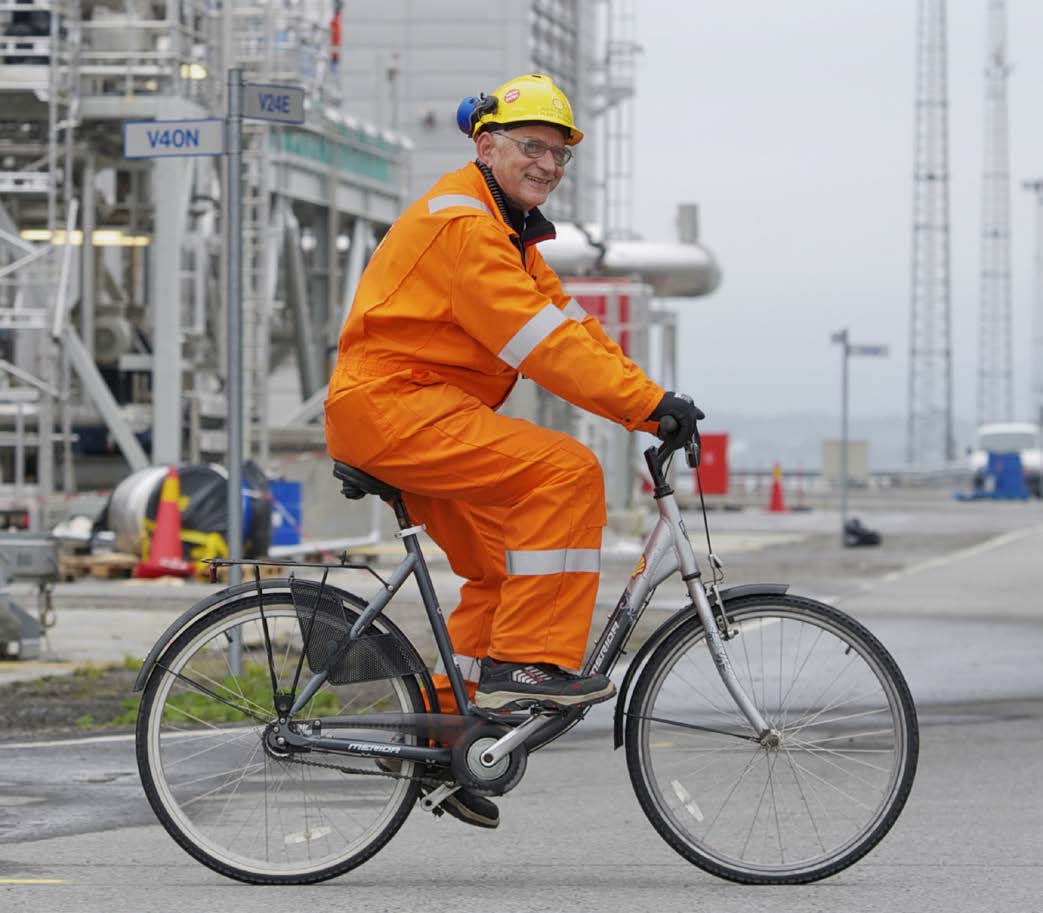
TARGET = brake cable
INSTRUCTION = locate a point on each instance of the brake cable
(693, 454)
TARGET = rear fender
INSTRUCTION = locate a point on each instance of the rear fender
(665, 630)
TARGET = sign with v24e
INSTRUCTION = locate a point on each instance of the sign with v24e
(281, 103)
(161, 138)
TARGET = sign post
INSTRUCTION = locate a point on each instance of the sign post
(234, 321)
(284, 104)
(842, 338)
(214, 136)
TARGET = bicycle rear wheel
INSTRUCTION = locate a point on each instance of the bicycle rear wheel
(220, 789)
(789, 813)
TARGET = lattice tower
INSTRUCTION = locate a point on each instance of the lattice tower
(1036, 355)
(995, 367)
(930, 423)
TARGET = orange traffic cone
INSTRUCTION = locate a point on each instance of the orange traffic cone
(778, 502)
(164, 556)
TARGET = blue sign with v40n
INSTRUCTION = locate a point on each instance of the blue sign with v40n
(144, 139)
(280, 103)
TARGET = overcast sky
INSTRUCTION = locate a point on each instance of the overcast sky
(791, 124)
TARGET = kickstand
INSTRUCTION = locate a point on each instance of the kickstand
(436, 797)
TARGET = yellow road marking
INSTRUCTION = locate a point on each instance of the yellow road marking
(31, 881)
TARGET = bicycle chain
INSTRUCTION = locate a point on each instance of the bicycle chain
(351, 770)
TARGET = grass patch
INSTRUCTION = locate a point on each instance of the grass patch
(252, 691)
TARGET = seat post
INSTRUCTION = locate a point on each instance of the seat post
(401, 514)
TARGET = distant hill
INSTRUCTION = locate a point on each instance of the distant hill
(795, 440)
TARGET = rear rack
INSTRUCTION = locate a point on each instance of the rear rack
(258, 563)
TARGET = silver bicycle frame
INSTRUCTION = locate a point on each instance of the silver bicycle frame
(668, 550)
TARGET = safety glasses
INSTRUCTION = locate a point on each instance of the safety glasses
(535, 148)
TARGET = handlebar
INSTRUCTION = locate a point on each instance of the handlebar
(668, 426)
(656, 457)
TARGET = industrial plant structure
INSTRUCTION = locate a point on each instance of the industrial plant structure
(112, 269)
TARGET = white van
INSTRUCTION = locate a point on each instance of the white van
(1009, 437)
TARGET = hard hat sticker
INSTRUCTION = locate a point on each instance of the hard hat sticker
(511, 95)
(557, 103)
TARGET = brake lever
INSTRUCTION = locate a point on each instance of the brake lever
(693, 449)
(691, 454)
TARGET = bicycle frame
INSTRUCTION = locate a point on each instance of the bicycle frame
(667, 551)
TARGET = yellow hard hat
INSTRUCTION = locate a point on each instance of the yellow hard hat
(525, 99)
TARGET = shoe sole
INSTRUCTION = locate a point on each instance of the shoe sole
(519, 700)
(461, 812)
(452, 805)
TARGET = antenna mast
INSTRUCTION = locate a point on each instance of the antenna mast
(929, 436)
(995, 368)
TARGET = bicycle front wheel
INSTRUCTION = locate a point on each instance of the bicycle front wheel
(224, 792)
(812, 800)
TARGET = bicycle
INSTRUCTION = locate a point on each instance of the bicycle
(770, 738)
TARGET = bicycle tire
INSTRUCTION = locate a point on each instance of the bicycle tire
(268, 819)
(818, 680)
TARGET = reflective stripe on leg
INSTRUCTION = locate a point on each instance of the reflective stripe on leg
(470, 667)
(553, 561)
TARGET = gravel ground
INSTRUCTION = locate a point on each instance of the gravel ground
(62, 705)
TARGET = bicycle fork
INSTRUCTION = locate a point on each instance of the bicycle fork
(670, 515)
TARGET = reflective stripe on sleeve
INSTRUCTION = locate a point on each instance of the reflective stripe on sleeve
(436, 204)
(574, 310)
(538, 328)
(470, 667)
(554, 561)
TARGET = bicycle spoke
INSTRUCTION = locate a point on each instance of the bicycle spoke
(807, 805)
(844, 754)
(729, 714)
(681, 725)
(757, 810)
(202, 690)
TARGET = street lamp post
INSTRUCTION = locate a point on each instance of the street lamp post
(842, 338)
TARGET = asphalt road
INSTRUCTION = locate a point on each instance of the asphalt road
(963, 618)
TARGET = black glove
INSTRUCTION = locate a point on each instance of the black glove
(683, 411)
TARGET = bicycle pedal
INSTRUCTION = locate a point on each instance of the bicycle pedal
(433, 800)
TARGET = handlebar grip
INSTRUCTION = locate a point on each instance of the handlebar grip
(667, 425)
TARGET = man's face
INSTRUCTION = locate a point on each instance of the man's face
(527, 182)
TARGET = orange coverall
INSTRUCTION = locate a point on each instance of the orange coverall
(445, 317)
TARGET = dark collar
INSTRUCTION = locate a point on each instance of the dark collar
(532, 226)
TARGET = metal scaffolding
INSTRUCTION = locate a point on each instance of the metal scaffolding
(111, 291)
(995, 363)
(929, 437)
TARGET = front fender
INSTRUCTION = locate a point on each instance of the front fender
(665, 630)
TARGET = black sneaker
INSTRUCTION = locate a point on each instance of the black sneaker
(469, 807)
(464, 805)
(512, 686)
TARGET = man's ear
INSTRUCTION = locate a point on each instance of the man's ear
(483, 144)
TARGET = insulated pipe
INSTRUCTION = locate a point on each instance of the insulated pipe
(672, 269)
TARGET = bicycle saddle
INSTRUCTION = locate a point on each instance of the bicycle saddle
(357, 484)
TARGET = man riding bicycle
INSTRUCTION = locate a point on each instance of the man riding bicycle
(455, 303)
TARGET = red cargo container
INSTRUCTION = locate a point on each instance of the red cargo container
(713, 468)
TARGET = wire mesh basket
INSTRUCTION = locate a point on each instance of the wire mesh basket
(325, 624)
